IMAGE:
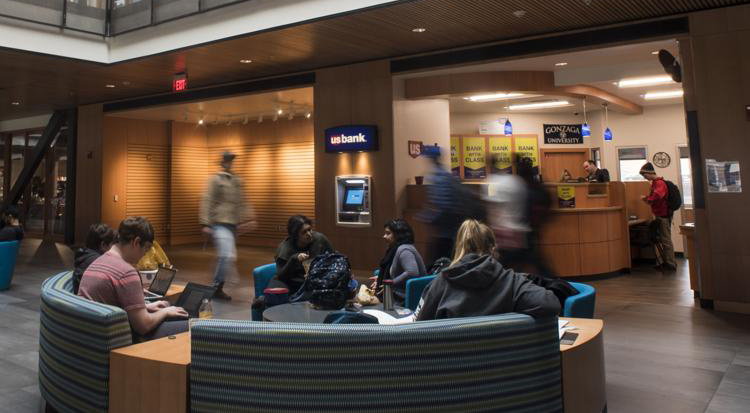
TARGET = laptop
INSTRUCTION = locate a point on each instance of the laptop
(192, 297)
(162, 281)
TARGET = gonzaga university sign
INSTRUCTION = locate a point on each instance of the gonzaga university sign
(351, 138)
(563, 134)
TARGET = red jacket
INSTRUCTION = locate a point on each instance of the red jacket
(658, 197)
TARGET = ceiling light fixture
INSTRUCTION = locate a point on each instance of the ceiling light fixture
(246, 61)
(15, 103)
(419, 30)
(540, 105)
(655, 52)
(645, 81)
(200, 122)
(309, 114)
(493, 96)
(667, 94)
(561, 64)
(519, 13)
(109, 85)
(279, 112)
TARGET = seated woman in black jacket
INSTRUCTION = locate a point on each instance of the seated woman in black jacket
(476, 283)
(295, 253)
(98, 241)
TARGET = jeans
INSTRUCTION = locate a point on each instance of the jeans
(226, 252)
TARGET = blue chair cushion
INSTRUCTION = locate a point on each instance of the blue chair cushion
(414, 289)
(582, 304)
(8, 253)
(261, 277)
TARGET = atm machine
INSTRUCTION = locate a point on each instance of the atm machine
(353, 201)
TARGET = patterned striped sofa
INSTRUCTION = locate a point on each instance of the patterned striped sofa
(75, 338)
(498, 363)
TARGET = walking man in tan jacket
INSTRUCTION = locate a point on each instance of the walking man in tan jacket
(223, 214)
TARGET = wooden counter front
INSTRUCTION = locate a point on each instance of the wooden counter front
(590, 239)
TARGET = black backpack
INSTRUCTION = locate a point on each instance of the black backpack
(674, 198)
(327, 283)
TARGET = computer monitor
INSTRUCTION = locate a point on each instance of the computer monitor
(354, 199)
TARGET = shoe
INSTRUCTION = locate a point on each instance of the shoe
(220, 294)
(668, 268)
(659, 267)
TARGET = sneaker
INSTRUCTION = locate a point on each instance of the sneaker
(221, 295)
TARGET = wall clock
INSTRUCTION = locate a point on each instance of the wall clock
(662, 159)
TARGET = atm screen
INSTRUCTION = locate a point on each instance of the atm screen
(354, 197)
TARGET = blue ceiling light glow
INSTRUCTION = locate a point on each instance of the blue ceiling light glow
(508, 127)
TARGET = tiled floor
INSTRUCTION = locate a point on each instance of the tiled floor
(663, 353)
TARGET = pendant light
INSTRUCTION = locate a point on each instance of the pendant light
(585, 129)
(508, 127)
(608, 131)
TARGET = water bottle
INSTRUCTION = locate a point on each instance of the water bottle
(387, 295)
(206, 311)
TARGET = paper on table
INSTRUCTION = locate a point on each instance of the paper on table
(385, 318)
(560, 325)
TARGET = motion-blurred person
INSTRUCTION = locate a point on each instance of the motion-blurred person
(449, 204)
(657, 198)
(477, 284)
(295, 253)
(98, 241)
(402, 260)
(224, 213)
(10, 227)
(507, 213)
(595, 174)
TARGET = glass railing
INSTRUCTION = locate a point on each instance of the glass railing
(106, 17)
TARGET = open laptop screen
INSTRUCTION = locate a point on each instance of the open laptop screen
(162, 281)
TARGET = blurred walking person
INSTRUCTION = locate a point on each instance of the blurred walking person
(223, 214)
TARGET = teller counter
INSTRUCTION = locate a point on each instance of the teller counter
(588, 234)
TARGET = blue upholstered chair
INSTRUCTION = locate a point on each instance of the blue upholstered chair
(261, 276)
(508, 362)
(75, 338)
(414, 289)
(8, 253)
(580, 305)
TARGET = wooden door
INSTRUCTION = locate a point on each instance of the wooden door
(555, 161)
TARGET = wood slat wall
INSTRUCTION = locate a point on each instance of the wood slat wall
(279, 181)
(189, 175)
(147, 186)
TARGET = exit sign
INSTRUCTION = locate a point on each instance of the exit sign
(179, 82)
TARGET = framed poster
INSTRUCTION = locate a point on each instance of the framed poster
(528, 146)
(456, 156)
(500, 154)
(475, 163)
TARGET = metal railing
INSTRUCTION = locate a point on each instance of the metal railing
(106, 17)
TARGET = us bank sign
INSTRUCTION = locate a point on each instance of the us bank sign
(352, 138)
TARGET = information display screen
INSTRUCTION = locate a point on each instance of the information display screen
(354, 197)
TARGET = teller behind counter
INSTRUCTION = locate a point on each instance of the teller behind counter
(587, 233)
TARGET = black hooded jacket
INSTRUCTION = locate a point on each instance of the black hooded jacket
(479, 285)
(83, 258)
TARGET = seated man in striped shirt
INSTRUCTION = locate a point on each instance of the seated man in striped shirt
(112, 279)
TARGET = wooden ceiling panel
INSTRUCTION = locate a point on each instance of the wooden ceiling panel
(44, 83)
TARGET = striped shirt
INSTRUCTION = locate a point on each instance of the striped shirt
(111, 280)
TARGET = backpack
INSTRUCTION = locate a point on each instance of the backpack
(674, 198)
(327, 283)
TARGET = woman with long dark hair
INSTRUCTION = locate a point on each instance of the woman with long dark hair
(402, 260)
(301, 245)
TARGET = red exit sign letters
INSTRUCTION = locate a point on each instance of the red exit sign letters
(179, 82)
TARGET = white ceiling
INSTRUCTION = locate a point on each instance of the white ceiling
(597, 67)
(234, 109)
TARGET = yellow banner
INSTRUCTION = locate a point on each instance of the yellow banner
(528, 148)
(500, 152)
(474, 158)
(566, 196)
(455, 158)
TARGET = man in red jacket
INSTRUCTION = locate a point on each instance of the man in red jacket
(657, 198)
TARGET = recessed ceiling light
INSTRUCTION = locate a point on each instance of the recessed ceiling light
(655, 52)
(419, 30)
(15, 103)
(666, 94)
(646, 81)
(493, 96)
(540, 105)
(519, 13)
(561, 64)
(246, 61)
(109, 85)
(200, 121)
(279, 112)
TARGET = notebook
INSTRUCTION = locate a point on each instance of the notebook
(162, 281)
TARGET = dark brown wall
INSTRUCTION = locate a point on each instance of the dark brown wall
(88, 169)
(717, 60)
(355, 94)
